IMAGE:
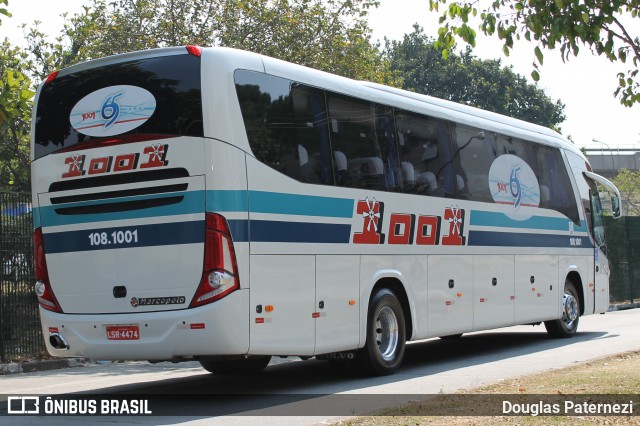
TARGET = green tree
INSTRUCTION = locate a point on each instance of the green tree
(15, 116)
(331, 35)
(628, 183)
(563, 24)
(469, 80)
(4, 11)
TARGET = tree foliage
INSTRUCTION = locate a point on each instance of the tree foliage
(560, 24)
(15, 115)
(628, 183)
(3, 10)
(469, 80)
(331, 35)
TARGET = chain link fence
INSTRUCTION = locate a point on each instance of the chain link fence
(20, 333)
(623, 246)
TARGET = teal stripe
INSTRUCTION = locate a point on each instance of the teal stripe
(216, 201)
(192, 203)
(227, 201)
(36, 218)
(278, 203)
(303, 205)
(483, 218)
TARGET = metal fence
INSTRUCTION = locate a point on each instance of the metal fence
(20, 333)
(623, 245)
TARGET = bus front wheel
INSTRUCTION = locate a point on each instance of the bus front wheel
(383, 351)
(567, 325)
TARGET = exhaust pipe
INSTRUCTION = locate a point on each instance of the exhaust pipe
(58, 341)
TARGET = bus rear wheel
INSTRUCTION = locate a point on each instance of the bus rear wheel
(383, 351)
(567, 325)
(239, 366)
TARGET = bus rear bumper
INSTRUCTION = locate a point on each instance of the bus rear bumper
(220, 328)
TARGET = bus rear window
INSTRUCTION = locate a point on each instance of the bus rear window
(96, 103)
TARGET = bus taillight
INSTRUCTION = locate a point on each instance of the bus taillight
(51, 77)
(194, 50)
(43, 287)
(220, 272)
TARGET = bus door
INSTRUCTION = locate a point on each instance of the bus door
(601, 264)
(602, 270)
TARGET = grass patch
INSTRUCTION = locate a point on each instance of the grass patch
(617, 374)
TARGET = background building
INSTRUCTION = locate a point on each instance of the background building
(607, 162)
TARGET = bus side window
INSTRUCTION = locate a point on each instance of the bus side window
(554, 183)
(353, 136)
(387, 143)
(473, 154)
(286, 125)
(425, 155)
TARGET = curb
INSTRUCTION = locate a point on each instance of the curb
(48, 364)
(623, 307)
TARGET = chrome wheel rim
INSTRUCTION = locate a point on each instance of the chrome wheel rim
(570, 309)
(387, 333)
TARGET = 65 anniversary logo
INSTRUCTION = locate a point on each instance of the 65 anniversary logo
(112, 110)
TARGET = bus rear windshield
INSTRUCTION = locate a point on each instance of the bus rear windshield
(154, 96)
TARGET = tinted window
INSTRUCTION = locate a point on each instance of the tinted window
(317, 136)
(425, 154)
(286, 125)
(174, 82)
(354, 142)
(556, 191)
(388, 146)
(473, 152)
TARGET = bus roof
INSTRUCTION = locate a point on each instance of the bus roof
(438, 108)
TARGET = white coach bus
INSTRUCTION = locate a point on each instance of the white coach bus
(223, 206)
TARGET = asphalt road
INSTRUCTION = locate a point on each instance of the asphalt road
(291, 391)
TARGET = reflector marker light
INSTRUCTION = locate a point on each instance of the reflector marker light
(51, 77)
(194, 50)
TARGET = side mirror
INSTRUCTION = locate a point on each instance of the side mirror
(615, 205)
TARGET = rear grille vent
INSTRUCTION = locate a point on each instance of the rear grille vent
(125, 193)
(121, 206)
(119, 179)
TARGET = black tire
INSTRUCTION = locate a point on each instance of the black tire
(236, 367)
(383, 351)
(568, 324)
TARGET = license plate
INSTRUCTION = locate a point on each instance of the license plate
(123, 332)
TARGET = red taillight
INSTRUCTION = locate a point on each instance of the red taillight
(194, 50)
(220, 270)
(43, 287)
(51, 77)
